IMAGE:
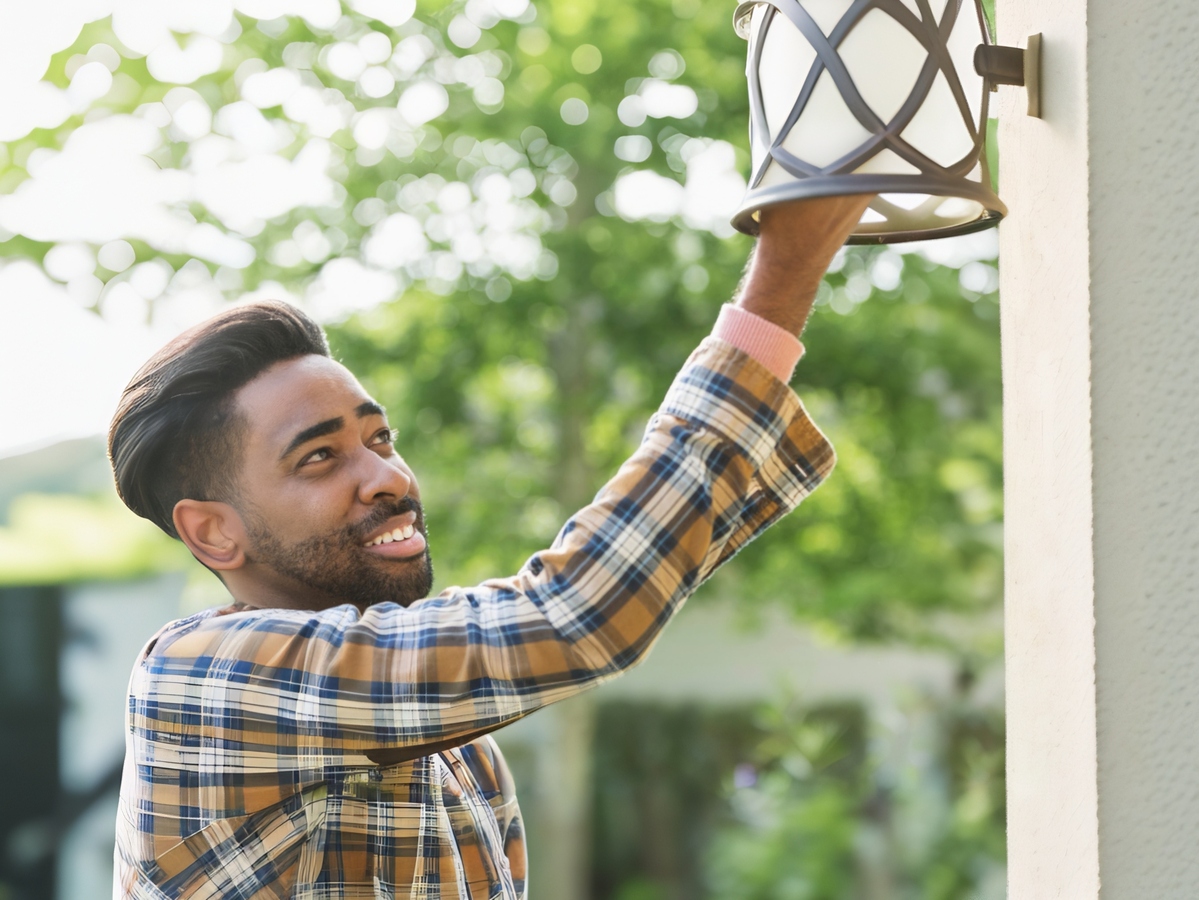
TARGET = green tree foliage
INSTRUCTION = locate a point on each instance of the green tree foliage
(816, 802)
(836, 806)
(103, 542)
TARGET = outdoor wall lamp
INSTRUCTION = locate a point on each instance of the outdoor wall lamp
(887, 97)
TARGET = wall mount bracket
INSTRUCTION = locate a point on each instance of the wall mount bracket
(1013, 65)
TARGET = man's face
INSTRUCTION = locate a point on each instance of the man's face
(332, 512)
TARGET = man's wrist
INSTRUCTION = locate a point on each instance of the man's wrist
(798, 241)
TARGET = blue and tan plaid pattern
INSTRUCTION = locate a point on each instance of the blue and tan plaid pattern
(343, 754)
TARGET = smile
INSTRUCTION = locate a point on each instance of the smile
(399, 534)
(401, 540)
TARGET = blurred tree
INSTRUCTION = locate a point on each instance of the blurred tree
(836, 806)
(658, 770)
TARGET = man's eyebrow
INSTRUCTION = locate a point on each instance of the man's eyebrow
(320, 429)
(369, 408)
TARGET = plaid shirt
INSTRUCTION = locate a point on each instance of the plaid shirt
(247, 772)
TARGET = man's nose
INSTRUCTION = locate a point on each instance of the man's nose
(380, 478)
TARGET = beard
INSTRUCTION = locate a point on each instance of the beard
(337, 565)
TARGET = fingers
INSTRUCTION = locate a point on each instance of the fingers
(835, 218)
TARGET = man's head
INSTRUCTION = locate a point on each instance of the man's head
(246, 441)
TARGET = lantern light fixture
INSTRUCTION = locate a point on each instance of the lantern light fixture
(883, 97)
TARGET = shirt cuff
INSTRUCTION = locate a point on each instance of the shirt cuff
(775, 348)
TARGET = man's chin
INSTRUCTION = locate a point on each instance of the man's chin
(330, 576)
(404, 581)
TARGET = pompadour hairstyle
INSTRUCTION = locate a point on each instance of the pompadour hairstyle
(175, 432)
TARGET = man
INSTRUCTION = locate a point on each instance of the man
(325, 736)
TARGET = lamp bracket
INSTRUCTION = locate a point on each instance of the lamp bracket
(1013, 65)
(1000, 65)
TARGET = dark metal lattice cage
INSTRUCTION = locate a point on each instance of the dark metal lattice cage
(898, 151)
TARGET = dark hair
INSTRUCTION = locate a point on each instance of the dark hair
(175, 431)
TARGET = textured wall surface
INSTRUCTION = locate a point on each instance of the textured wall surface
(1144, 136)
(1100, 328)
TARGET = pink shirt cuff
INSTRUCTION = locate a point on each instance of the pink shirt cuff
(775, 348)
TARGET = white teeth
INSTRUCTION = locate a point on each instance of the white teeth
(398, 534)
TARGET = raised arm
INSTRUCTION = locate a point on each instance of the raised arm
(729, 452)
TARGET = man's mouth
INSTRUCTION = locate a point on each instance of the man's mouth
(398, 534)
(400, 540)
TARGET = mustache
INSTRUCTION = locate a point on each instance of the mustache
(384, 511)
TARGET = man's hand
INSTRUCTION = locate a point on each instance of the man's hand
(798, 241)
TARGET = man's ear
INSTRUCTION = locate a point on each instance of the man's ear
(213, 532)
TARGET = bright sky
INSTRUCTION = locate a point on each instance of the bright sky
(62, 366)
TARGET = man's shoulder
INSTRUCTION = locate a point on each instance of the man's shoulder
(204, 633)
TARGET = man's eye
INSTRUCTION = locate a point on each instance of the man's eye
(383, 437)
(317, 456)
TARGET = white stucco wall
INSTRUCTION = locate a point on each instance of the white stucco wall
(1044, 308)
(1101, 423)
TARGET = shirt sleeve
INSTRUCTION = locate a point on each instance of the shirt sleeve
(730, 451)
